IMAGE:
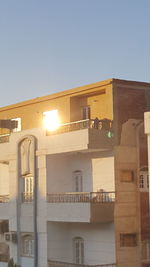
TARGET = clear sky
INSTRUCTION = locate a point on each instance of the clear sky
(51, 45)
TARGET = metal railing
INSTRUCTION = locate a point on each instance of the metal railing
(74, 197)
(27, 197)
(4, 198)
(82, 124)
(4, 138)
(66, 264)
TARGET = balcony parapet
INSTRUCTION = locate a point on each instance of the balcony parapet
(88, 197)
(4, 198)
(66, 264)
(81, 207)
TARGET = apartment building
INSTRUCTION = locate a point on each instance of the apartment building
(74, 178)
(146, 222)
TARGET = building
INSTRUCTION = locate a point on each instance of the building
(146, 242)
(76, 193)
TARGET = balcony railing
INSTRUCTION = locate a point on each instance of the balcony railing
(4, 138)
(66, 264)
(82, 124)
(27, 197)
(74, 197)
(4, 198)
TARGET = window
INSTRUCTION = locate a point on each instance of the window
(28, 188)
(86, 113)
(126, 175)
(128, 240)
(77, 181)
(146, 250)
(78, 250)
(144, 181)
(141, 181)
(27, 246)
(18, 129)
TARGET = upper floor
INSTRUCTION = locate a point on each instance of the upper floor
(72, 180)
(112, 102)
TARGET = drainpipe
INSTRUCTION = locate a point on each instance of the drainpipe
(35, 209)
(18, 203)
(138, 128)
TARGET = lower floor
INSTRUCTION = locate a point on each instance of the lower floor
(81, 243)
(66, 244)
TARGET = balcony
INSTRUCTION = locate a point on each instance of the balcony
(82, 124)
(79, 136)
(4, 207)
(66, 264)
(81, 207)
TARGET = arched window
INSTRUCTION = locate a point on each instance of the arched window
(146, 250)
(144, 180)
(27, 246)
(77, 181)
(78, 250)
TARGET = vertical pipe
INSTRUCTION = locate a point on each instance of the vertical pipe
(18, 202)
(18, 207)
(35, 210)
(138, 128)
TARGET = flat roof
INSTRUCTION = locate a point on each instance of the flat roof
(75, 91)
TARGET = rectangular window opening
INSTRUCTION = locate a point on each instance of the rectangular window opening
(128, 240)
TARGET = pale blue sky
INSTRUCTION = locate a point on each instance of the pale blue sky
(51, 45)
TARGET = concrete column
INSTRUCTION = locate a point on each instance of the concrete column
(12, 205)
(42, 210)
(147, 131)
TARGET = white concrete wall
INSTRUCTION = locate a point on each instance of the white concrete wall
(98, 172)
(103, 173)
(4, 211)
(42, 211)
(26, 262)
(99, 242)
(13, 251)
(60, 172)
(4, 179)
(26, 220)
(69, 212)
(57, 173)
(3, 264)
(13, 193)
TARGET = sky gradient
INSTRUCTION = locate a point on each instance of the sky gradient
(48, 46)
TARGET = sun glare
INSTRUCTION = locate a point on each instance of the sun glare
(51, 120)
